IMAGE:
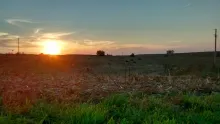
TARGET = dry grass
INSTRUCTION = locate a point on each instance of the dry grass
(25, 79)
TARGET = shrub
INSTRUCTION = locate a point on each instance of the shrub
(100, 53)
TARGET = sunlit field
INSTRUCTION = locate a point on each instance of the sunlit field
(108, 89)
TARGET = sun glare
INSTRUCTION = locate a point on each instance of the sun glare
(51, 47)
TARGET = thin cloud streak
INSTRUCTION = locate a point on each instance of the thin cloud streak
(16, 21)
(94, 43)
(38, 30)
(38, 35)
(7, 36)
(3, 34)
(91, 46)
(8, 41)
(56, 35)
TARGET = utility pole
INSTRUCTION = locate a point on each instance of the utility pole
(18, 46)
(215, 47)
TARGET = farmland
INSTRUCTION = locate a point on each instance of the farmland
(85, 89)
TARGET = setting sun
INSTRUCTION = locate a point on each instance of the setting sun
(51, 47)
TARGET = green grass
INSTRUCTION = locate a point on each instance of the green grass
(132, 108)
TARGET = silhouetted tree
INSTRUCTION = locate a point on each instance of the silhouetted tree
(100, 53)
(132, 55)
(170, 52)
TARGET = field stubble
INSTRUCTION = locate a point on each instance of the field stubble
(29, 79)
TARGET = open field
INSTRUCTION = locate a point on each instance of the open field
(91, 80)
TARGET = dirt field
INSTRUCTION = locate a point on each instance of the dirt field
(83, 78)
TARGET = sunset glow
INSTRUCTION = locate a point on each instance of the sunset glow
(83, 27)
(51, 47)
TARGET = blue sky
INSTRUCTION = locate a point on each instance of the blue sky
(116, 26)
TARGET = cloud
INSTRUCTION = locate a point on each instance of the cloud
(147, 46)
(29, 45)
(127, 49)
(13, 44)
(188, 5)
(89, 46)
(55, 35)
(73, 45)
(10, 41)
(95, 43)
(17, 21)
(3, 34)
(7, 36)
(76, 45)
(38, 30)
(38, 35)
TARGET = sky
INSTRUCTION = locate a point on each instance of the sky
(115, 26)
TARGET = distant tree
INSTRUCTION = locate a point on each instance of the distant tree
(132, 55)
(41, 54)
(170, 52)
(100, 53)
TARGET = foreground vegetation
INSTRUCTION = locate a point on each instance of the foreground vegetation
(79, 89)
(124, 109)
